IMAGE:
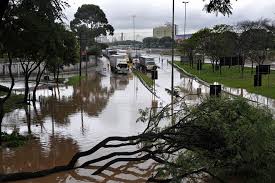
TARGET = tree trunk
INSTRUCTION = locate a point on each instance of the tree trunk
(37, 82)
(252, 67)
(242, 70)
(1, 119)
(28, 115)
(57, 74)
(54, 73)
(213, 66)
(26, 94)
(3, 100)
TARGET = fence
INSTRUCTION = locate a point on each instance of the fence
(18, 70)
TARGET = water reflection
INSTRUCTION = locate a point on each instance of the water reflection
(88, 97)
(119, 82)
(130, 172)
(36, 155)
(71, 119)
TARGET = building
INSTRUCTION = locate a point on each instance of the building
(164, 31)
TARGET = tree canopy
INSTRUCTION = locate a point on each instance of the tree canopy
(92, 18)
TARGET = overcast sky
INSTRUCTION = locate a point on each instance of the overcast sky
(152, 13)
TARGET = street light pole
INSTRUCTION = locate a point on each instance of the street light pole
(185, 2)
(173, 50)
(134, 29)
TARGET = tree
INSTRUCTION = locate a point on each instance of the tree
(151, 42)
(64, 50)
(6, 97)
(165, 42)
(219, 6)
(255, 39)
(3, 6)
(14, 32)
(221, 43)
(93, 18)
(32, 22)
(7, 33)
(197, 44)
(90, 21)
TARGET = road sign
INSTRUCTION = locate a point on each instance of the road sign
(215, 90)
(262, 69)
(154, 74)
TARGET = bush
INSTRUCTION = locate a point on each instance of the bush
(13, 140)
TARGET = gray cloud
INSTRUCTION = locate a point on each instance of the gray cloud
(157, 12)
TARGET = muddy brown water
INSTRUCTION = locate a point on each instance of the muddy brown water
(75, 118)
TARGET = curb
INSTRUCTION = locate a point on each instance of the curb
(204, 82)
(146, 86)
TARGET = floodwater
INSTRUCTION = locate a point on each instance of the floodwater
(75, 118)
(70, 119)
(189, 85)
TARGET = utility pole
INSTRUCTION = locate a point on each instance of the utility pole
(172, 76)
(134, 29)
(185, 2)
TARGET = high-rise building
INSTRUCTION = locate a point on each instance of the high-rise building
(164, 31)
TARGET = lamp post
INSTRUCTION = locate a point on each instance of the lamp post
(185, 2)
(173, 52)
(134, 29)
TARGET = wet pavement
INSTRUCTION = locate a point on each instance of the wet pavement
(70, 119)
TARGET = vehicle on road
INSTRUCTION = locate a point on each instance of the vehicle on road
(109, 52)
(147, 63)
(119, 63)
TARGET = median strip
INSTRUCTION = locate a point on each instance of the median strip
(144, 78)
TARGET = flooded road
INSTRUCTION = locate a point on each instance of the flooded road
(70, 119)
(75, 118)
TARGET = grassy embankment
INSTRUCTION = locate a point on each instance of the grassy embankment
(13, 139)
(14, 102)
(74, 80)
(231, 77)
(148, 81)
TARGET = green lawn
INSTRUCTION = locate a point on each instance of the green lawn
(74, 80)
(144, 77)
(231, 77)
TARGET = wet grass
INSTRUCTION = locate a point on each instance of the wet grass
(13, 140)
(14, 102)
(74, 80)
(144, 77)
(231, 77)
